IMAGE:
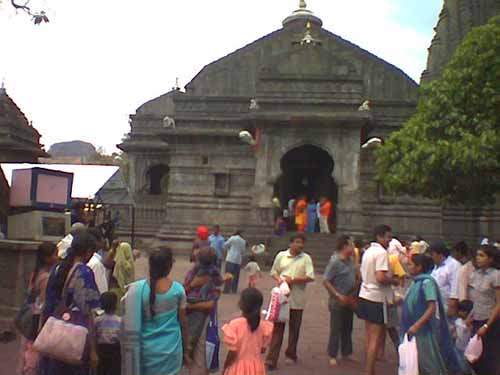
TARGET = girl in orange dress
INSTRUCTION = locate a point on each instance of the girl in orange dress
(247, 337)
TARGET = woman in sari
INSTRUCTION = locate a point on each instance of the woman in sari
(301, 214)
(154, 324)
(81, 294)
(312, 216)
(123, 271)
(424, 318)
(46, 257)
(202, 313)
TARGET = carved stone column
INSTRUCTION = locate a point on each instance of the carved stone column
(347, 175)
(263, 187)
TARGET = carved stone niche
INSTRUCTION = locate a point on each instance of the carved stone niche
(221, 184)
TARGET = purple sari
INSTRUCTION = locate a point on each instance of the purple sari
(213, 342)
(83, 295)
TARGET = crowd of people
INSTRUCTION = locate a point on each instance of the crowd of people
(303, 215)
(83, 276)
(441, 297)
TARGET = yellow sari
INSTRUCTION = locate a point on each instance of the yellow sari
(301, 213)
(124, 271)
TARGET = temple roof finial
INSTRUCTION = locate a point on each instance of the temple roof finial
(302, 14)
(2, 87)
(176, 87)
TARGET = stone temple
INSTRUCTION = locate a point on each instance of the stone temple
(310, 100)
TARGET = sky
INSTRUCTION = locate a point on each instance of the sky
(81, 75)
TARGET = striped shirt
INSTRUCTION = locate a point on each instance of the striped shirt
(108, 329)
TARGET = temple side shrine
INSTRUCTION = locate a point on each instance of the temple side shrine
(309, 101)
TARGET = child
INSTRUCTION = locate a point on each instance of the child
(462, 331)
(247, 337)
(108, 341)
(253, 270)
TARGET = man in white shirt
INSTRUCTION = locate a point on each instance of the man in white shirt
(375, 292)
(463, 254)
(445, 273)
(100, 272)
(96, 263)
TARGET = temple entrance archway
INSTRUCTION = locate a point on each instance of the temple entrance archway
(307, 170)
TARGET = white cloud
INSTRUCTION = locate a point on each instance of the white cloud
(81, 75)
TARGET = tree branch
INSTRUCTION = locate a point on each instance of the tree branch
(38, 17)
(24, 7)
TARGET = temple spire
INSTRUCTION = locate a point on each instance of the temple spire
(302, 4)
(2, 87)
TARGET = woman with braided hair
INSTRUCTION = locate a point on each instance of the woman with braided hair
(154, 324)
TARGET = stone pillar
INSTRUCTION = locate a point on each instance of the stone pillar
(17, 261)
(263, 187)
(347, 176)
(133, 178)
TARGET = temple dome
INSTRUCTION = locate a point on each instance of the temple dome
(303, 15)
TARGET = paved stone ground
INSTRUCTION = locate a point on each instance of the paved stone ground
(312, 345)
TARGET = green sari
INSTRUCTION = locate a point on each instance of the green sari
(437, 354)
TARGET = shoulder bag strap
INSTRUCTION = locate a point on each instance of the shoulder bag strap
(64, 293)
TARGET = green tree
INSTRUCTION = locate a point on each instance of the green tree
(450, 149)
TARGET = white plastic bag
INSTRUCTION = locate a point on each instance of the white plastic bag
(279, 308)
(273, 311)
(408, 357)
(259, 249)
(474, 349)
(284, 314)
